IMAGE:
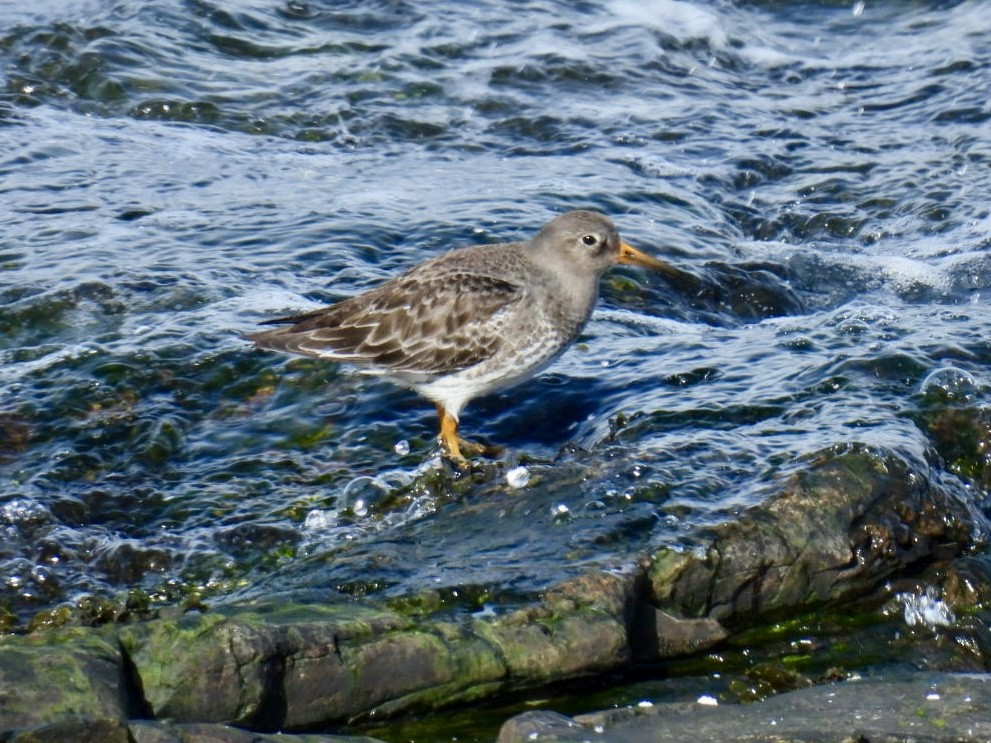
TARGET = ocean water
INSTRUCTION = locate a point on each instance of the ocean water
(172, 173)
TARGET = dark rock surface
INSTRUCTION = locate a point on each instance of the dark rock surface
(922, 708)
(835, 531)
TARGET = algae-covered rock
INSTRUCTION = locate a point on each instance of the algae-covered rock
(961, 433)
(295, 668)
(46, 679)
(834, 531)
(414, 668)
(539, 646)
(247, 667)
(580, 628)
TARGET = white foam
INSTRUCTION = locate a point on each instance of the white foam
(684, 21)
(926, 609)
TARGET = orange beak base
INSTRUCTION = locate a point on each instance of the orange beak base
(633, 257)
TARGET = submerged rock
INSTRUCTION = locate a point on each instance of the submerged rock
(960, 430)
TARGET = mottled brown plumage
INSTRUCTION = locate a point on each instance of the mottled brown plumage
(471, 321)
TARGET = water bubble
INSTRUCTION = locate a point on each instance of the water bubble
(594, 507)
(402, 447)
(561, 512)
(950, 384)
(361, 493)
(518, 477)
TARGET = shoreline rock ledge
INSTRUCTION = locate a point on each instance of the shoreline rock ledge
(840, 526)
(921, 708)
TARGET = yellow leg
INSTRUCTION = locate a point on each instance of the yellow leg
(453, 445)
(449, 440)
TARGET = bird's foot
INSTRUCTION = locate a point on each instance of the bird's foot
(457, 450)
(454, 447)
(475, 449)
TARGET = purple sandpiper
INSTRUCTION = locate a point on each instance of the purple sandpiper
(471, 321)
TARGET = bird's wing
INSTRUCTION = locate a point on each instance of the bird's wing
(416, 323)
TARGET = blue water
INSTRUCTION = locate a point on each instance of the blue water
(172, 173)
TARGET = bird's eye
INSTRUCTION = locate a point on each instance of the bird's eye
(590, 240)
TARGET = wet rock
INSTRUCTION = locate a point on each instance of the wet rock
(89, 730)
(921, 707)
(660, 634)
(539, 725)
(80, 730)
(297, 667)
(578, 630)
(834, 532)
(945, 610)
(961, 433)
(160, 732)
(244, 540)
(46, 680)
(303, 666)
(262, 669)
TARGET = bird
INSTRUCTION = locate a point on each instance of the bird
(471, 321)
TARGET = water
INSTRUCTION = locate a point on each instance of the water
(174, 172)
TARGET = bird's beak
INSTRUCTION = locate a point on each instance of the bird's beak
(630, 255)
